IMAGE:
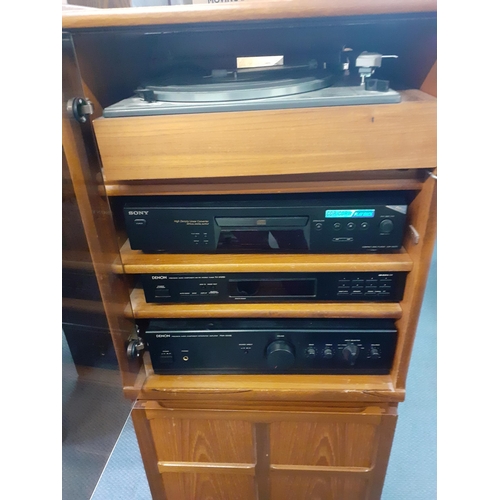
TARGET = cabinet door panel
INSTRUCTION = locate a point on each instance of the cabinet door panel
(206, 486)
(262, 455)
(192, 440)
(339, 444)
(317, 487)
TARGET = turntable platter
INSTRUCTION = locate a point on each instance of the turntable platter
(238, 86)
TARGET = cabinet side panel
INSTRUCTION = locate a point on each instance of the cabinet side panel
(84, 168)
(148, 453)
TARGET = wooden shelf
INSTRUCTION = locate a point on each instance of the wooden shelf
(141, 309)
(236, 390)
(380, 180)
(137, 262)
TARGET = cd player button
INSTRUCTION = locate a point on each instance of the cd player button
(318, 226)
(337, 226)
(364, 225)
(140, 222)
(386, 226)
(350, 226)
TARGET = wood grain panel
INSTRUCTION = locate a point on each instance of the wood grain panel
(181, 486)
(285, 391)
(137, 262)
(241, 11)
(287, 141)
(148, 452)
(198, 440)
(82, 161)
(317, 487)
(422, 215)
(379, 180)
(338, 443)
(141, 309)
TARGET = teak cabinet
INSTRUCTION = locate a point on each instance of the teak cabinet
(253, 437)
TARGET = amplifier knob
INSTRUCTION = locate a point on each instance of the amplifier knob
(386, 226)
(327, 353)
(350, 353)
(310, 352)
(280, 355)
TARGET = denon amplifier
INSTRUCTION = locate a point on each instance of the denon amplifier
(309, 222)
(322, 346)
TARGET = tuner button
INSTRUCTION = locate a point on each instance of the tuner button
(279, 355)
(327, 353)
(386, 226)
(350, 353)
(375, 353)
(310, 352)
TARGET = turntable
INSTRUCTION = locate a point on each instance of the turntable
(274, 87)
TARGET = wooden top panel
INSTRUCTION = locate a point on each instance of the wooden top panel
(136, 262)
(250, 10)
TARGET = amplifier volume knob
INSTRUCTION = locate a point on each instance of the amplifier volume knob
(386, 226)
(350, 353)
(279, 355)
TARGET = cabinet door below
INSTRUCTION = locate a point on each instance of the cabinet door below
(261, 455)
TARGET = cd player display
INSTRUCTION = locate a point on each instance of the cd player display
(274, 287)
(326, 346)
(315, 223)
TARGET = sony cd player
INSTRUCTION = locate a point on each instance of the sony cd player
(309, 222)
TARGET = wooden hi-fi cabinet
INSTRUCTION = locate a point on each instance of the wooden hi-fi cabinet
(249, 437)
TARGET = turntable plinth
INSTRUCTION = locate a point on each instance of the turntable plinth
(273, 142)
